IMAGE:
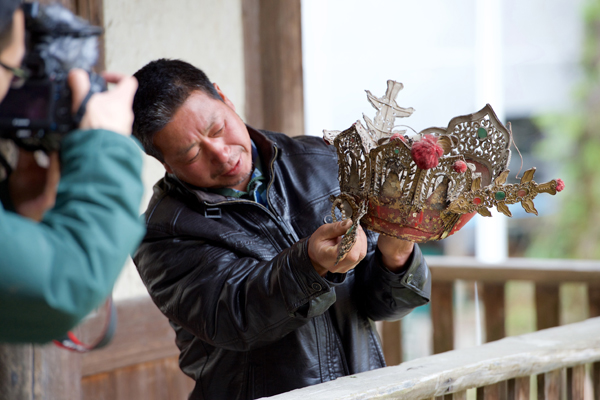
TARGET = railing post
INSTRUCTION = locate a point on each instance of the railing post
(392, 342)
(594, 303)
(442, 316)
(547, 305)
(493, 300)
(518, 388)
(549, 385)
(575, 382)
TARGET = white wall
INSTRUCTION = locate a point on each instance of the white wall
(205, 33)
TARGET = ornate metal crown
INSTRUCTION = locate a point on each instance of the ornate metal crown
(429, 185)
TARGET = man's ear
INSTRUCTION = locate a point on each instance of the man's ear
(225, 98)
(169, 170)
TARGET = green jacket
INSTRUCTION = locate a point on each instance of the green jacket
(53, 273)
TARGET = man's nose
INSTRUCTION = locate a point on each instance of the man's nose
(219, 151)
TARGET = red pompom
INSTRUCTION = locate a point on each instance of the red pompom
(426, 152)
(560, 185)
(460, 166)
(397, 136)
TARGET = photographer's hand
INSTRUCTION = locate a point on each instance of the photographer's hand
(109, 110)
(32, 188)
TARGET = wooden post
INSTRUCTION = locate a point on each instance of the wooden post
(39, 372)
(547, 305)
(518, 388)
(493, 300)
(392, 342)
(549, 387)
(442, 316)
(273, 54)
(575, 382)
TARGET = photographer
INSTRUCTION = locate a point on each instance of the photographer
(67, 226)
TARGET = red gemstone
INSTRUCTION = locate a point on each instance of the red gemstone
(477, 201)
(522, 193)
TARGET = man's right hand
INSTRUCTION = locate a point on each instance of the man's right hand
(109, 110)
(323, 248)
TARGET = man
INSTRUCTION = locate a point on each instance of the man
(238, 254)
(62, 245)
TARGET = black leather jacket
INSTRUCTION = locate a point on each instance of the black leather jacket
(252, 316)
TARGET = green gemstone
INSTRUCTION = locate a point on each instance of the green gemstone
(396, 151)
(500, 196)
(482, 133)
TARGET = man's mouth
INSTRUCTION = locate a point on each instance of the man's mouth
(235, 170)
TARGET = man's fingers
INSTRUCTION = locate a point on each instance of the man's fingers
(79, 82)
(332, 231)
(126, 87)
(113, 77)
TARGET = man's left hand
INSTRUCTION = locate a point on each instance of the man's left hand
(394, 252)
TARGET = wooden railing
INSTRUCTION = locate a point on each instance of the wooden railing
(141, 361)
(501, 369)
(547, 275)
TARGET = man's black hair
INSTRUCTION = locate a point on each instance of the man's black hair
(7, 10)
(164, 85)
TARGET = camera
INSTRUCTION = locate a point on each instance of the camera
(38, 114)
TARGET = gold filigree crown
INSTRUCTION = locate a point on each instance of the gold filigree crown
(429, 185)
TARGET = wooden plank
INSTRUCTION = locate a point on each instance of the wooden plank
(40, 372)
(444, 268)
(143, 334)
(547, 305)
(462, 395)
(155, 380)
(493, 300)
(442, 316)
(93, 11)
(596, 380)
(551, 387)
(496, 391)
(392, 342)
(594, 299)
(531, 354)
(16, 366)
(518, 388)
(576, 382)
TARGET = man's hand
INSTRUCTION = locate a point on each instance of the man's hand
(107, 110)
(394, 252)
(323, 248)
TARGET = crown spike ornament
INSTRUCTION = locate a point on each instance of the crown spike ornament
(428, 185)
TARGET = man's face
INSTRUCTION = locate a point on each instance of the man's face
(12, 55)
(207, 144)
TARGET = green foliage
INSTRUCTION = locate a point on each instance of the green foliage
(573, 142)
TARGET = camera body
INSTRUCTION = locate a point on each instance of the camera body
(38, 114)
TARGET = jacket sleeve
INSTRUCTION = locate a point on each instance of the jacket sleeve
(386, 295)
(233, 302)
(56, 271)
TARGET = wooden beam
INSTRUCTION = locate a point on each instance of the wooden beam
(518, 388)
(547, 305)
(493, 300)
(143, 334)
(392, 342)
(273, 65)
(536, 270)
(442, 317)
(531, 354)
